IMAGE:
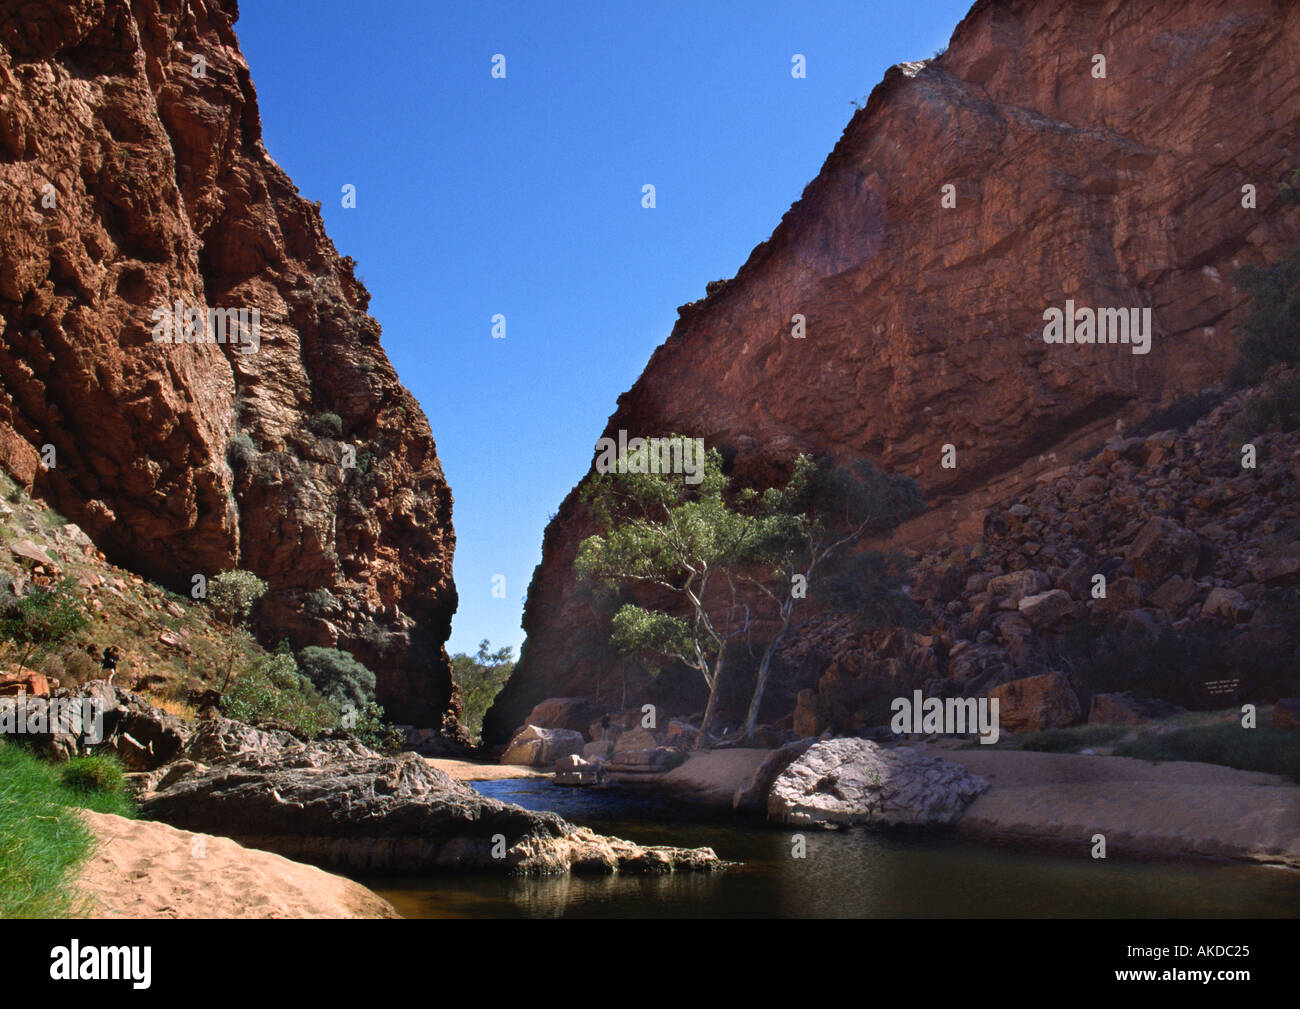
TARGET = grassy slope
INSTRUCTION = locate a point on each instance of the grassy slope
(125, 609)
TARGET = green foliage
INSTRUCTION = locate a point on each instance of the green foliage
(651, 635)
(41, 620)
(1172, 665)
(326, 425)
(1070, 740)
(43, 842)
(1274, 406)
(321, 602)
(869, 586)
(338, 676)
(479, 678)
(1274, 751)
(242, 452)
(233, 594)
(98, 782)
(1270, 333)
(661, 532)
(1290, 189)
(273, 690)
(368, 725)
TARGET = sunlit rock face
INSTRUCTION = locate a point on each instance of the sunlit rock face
(136, 190)
(924, 322)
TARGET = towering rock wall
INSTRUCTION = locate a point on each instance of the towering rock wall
(924, 323)
(133, 178)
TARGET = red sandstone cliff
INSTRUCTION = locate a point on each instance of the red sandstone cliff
(130, 183)
(924, 324)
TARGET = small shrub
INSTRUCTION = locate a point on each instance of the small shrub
(98, 778)
(326, 425)
(232, 595)
(1275, 406)
(41, 620)
(72, 666)
(338, 676)
(1270, 332)
(273, 690)
(369, 726)
(321, 602)
(242, 452)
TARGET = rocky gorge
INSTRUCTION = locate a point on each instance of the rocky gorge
(1110, 540)
(136, 180)
(1122, 190)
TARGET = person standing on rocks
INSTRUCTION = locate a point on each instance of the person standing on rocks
(109, 664)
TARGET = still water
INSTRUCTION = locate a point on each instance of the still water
(851, 873)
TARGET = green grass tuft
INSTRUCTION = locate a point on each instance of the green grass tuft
(1072, 740)
(1275, 751)
(42, 840)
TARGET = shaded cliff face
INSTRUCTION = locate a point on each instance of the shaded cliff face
(135, 179)
(924, 323)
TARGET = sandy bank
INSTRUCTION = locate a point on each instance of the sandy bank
(470, 770)
(143, 869)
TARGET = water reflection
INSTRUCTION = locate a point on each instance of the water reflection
(855, 873)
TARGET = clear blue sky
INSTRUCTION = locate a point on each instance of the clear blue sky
(522, 196)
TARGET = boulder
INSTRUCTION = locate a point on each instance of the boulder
(1125, 709)
(1036, 703)
(31, 683)
(1046, 608)
(1225, 605)
(629, 767)
(1006, 591)
(1286, 714)
(680, 734)
(26, 550)
(842, 782)
(598, 750)
(1175, 595)
(534, 746)
(1163, 548)
(1122, 595)
(143, 736)
(636, 739)
(752, 796)
(1276, 570)
(573, 713)
(619, 722)
(1077, 578)
(573, 770)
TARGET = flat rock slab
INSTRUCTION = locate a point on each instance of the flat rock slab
(844, 782)
(336, 803)
(712, 777)
(1172, 807)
